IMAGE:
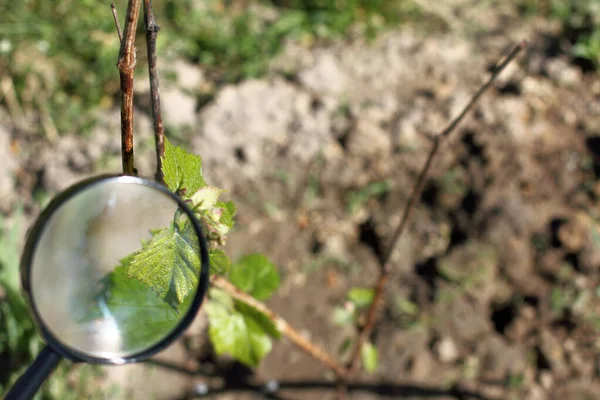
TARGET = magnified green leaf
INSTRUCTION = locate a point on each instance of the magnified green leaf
(143, 318)
(168, 264)
(254, 274)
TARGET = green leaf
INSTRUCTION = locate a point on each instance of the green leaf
(234, 333)
(361, 297)
(254, 274)
(219, 261)
(369, 357)
(182, 170)
(230, 206)
(143, 318)
(227, 214)
(168, 264)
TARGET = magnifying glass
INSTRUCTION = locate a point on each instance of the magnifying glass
(90, 269)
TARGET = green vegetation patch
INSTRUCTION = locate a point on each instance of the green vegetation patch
(61, 57)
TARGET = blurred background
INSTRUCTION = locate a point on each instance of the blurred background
(317, 115)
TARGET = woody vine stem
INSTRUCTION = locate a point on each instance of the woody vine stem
(126, 65)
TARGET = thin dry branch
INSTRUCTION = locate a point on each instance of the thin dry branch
(126, 65)
(375, 307)
(116, 18)
(288, 331)
(152, 29)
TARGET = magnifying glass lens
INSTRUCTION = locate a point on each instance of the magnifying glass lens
(114, 269)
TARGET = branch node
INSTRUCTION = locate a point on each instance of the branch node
(126, 65)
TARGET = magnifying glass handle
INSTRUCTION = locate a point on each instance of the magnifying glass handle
(28, 384)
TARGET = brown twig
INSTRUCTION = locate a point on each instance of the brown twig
(152, 29)
(116, 18)
(126, 65)
(373, 311)
(288, 331)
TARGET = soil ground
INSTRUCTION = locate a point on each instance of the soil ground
(500, 266)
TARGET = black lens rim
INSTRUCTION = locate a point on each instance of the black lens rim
(35, 235)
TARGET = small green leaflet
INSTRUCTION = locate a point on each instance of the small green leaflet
(182, 171)
(227, 214)
(361, 297)
(236, 333)
(168, 264)
(229, 205)
(219, 261)
(254, 274)
(369, 357)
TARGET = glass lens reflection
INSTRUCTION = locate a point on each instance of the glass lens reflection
(115, 269)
